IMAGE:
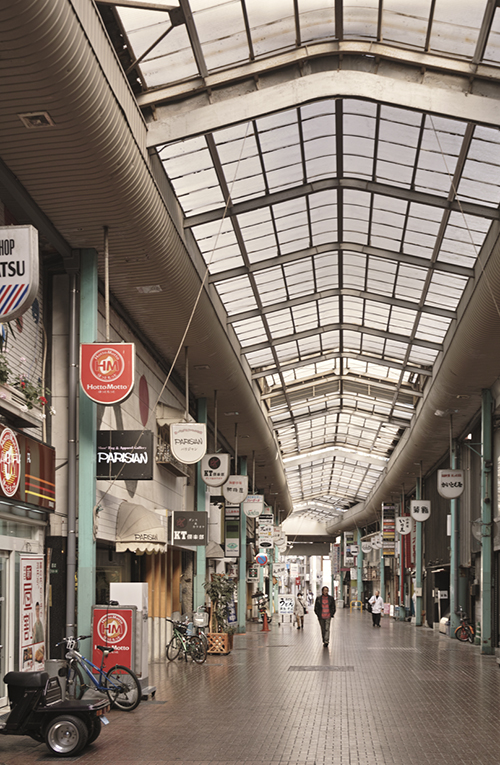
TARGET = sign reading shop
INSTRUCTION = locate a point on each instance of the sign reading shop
(18, 270)
(125, 454)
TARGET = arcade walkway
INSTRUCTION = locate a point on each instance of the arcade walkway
(395, 695)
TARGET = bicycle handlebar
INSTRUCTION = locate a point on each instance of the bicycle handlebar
(67, 640)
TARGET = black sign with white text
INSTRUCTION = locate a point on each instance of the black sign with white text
(125, 454)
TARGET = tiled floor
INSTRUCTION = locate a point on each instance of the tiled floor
(396, 695)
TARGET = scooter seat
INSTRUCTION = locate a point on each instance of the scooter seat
(26, 679)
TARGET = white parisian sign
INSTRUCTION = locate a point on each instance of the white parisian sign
(253, 505)
(235, 490)
(215, 469)
(18, 270)
(450, 483)
(420, 509)
(188, 441)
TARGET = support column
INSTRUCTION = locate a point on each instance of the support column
(382, 574)
(87, 425)
(242, 563)
(201, 558)
(454, 551)
(359, 565)
(486, 524)
(341, 573)
(418, 561)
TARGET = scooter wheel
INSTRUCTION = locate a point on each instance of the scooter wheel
(94, 725)
(66, 735)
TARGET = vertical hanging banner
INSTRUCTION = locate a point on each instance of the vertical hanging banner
(235, 490)
(188, 441)
(215, 469)
(18, 270)
(107, 371)
(31, 627)
(388, 529)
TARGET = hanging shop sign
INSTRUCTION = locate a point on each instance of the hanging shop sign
(215, 469)
(404, 524)
(376, 541)
(107, 371)
(32, 611)
(125, 454)
(388, 529)
(279, 569)
(189, 528)
(188, 441)
(335, 559)
(450, 483)
(252, 574)
(420, 509)
(18, 270)
(253, 505)
(27, 470)
(366, 547)
(286, 604)
(235, 489)
(232, 537)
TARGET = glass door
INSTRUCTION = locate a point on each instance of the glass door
(4, 570)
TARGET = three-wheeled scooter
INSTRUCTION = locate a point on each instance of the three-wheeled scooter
(37, 709)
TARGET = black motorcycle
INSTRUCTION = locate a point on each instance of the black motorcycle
(37, 709)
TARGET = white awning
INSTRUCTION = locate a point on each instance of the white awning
(139, 530)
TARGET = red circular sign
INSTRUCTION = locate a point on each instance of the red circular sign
(107, 371)
(112, 628)
(107, 364)
(10, 463)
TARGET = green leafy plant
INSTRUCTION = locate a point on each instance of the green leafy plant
(4, 369)
(220, 589)
(34, 394)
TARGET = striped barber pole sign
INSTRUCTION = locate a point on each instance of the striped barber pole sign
(18, 270)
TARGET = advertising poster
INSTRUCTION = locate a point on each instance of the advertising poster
(32, 628)
(114, 627)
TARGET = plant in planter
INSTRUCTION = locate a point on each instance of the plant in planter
(34, 394)
(4, 369)
(220, 589)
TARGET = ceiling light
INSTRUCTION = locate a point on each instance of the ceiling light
(201, 366)
(149, 289)
(36, 120)
(231, 414)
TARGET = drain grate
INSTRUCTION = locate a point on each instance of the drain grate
(320, 668)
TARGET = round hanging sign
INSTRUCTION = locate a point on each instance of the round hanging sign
(10, 462)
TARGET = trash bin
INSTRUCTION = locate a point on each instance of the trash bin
(58, 668)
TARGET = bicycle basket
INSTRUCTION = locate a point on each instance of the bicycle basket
(200, 620)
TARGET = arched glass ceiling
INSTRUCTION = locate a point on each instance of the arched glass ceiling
(340, 234)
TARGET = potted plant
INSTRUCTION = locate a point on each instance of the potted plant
(34, 394)
(220, 589)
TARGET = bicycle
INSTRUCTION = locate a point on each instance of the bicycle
(465, 631)
(119, 683)
(200, 621)
(189, 645)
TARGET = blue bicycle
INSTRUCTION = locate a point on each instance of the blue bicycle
(119, 683)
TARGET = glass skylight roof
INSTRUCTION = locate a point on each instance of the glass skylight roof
(340, 234)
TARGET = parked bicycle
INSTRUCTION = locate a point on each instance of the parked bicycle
(182, 644)
(465, 630)
(119, 683)
(200, 622)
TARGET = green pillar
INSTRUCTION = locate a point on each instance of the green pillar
(486, 524)
(454, 552)
(341, 573)
(382, 574)
(359, 565)
(242, 563)
(201, 558)
(418, 561)
(87, 445)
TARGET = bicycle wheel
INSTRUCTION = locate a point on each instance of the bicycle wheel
(75, 683)
(174, 648)
(471, 634)
(123, 688)
(196, 649)
(462, 633)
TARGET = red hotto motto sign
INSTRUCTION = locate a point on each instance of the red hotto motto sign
(107, 371)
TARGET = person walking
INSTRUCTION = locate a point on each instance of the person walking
(377, 605)
(324, 608)
(299, 610)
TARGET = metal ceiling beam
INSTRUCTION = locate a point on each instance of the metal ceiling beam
(351, 50)
(317, 359)
(320, 379)
(342, 292)
(146, 6)
(311, 416)
(328, 247)
(338, 327)
(445, 96)
(353, 184)
(310, 456)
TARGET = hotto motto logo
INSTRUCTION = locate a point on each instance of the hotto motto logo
(112, 628)
(107, 364)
